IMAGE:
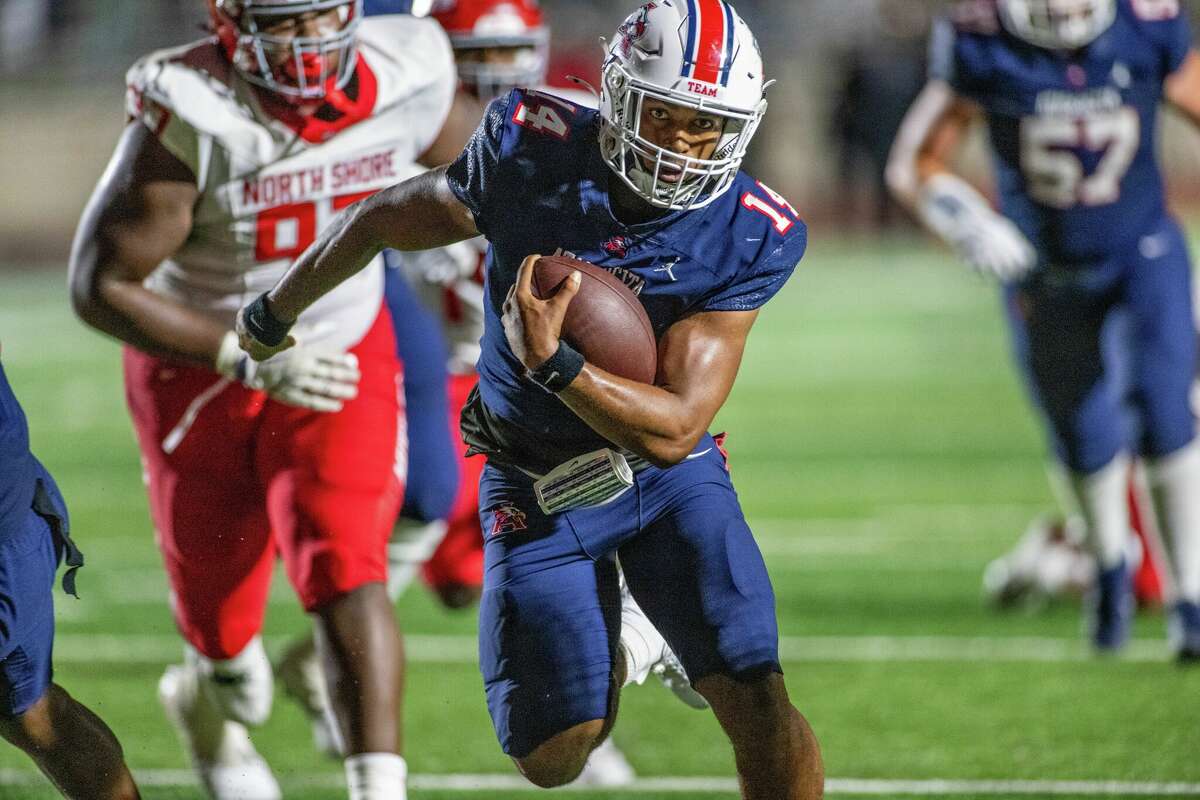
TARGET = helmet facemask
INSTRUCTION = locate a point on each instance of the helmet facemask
(1058, 24)
(491, 79)
(660, 176)
(299, 68)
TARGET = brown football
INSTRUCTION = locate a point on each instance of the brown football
(605, 322)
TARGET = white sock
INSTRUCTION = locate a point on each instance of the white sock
(1175, 487)
(376, 776)
(242, 687)
(641, 642)
(411, 545)
(1101, 497)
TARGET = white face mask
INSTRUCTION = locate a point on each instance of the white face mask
(661, 176)
(489, 79)
(1058, 24)
(311, 64)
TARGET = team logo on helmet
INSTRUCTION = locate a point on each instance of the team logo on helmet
(634, 28)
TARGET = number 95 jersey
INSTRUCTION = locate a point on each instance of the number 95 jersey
(271, 181)
(1073, 133)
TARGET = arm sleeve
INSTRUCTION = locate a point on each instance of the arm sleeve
(943, 60)
(147, 102)
(474, 174)
(752, 288)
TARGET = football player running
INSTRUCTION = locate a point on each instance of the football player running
(240, 149)
(649, 188)
(70, 744)
(1096, 274)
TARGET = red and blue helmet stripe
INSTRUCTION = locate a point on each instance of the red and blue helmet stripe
(709, 50)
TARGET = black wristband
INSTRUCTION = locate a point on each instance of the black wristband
(557, 372)
(263, 325)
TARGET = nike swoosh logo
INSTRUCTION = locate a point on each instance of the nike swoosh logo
(702, 452)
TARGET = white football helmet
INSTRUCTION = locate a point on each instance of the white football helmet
(694, 53)
(309, 71)
(1058, 24)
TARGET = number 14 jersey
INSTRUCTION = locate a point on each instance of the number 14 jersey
(535, 181)
(1073, 134)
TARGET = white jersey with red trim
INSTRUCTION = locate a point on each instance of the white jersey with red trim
(266, 191)
(449, 280)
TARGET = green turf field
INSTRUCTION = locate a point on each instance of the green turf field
(883, 452)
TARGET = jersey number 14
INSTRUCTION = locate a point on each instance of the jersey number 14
(1054, 173)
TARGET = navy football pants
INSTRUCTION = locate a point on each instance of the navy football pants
(28, 561)
(550, 613)
(1108, 351)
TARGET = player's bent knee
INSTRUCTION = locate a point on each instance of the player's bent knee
(559, 760)
(215, 636)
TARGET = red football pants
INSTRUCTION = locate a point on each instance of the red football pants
(235, 478)
(458, 560)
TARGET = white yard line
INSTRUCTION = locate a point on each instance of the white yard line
(675, 784)
(160, 649)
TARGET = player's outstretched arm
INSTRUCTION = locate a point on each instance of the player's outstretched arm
(1182, 88)
(920, 178)
(418, 214)
(139, 214)
(698, 359)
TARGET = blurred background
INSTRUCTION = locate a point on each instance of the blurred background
(846, 70)
(882, 445)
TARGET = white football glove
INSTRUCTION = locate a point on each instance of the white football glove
(989, 242)
(308, 376)
(442, 266)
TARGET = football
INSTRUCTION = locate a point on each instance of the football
(605, 321)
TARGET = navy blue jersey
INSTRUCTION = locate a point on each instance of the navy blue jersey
(1073, 134)
(533, 177)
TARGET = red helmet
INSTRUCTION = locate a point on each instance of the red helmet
(311, 65)
(502, 25)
